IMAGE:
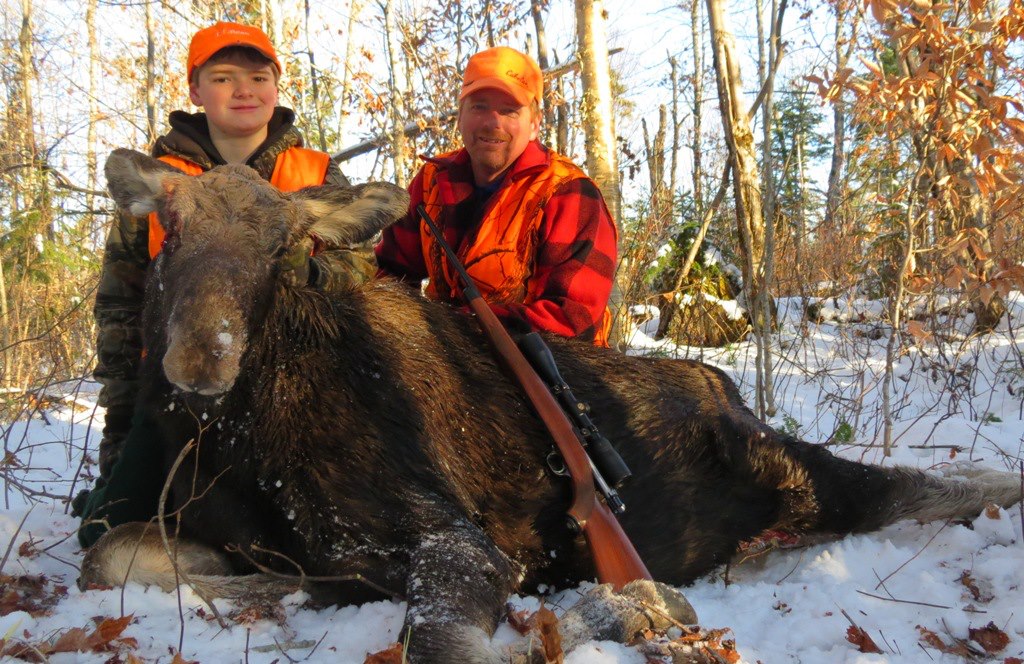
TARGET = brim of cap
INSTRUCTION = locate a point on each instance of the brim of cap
(519, 94)
(201, 60)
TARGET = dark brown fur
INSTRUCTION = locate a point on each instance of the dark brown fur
(371, 432)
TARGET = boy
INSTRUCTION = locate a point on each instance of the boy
(233, 72)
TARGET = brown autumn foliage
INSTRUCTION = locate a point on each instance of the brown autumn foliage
(939, 113)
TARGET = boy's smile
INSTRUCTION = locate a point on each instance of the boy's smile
(238, 97)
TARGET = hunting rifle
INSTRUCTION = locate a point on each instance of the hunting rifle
(615, 559)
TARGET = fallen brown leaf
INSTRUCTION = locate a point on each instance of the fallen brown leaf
(521, 621)
(393, 655)
(551, 640)
(968, 582)
(29, 593)
(860, 638)
(933, 639)
(75, 639)
(990, 637)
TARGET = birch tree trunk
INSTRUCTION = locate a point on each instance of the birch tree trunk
(90, 139)
(150, 75)
(345, 97)
(598, 121)
(397, 91)
(746, 184)
(843, 45)
(697, 147)
(548, 127)
(314, 78)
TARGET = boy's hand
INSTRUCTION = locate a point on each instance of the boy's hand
(295, 265)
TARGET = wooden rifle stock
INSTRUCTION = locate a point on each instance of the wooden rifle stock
(615, 558)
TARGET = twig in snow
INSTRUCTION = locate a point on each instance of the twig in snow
(10, 545)
(921, 550)
(310, 654)
(904, 601)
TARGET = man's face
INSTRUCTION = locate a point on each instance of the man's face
(495, 129)
(238, 96)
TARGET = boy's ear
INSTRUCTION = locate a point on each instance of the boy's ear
(193, 92)
(139, 183)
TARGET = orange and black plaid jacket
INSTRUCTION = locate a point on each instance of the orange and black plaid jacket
(576, 248)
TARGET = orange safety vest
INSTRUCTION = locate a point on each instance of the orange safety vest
(294, 169)
(501, 252)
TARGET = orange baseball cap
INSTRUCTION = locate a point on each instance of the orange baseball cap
(506, 69)
(208, 41)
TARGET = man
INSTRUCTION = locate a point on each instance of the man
(531, 228)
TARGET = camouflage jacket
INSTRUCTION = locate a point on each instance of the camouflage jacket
(126, 257)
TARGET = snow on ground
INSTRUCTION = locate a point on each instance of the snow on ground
(960, 402)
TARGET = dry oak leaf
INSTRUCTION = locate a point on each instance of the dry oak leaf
(29, 593)
(990, 637)
(860, 638)
(178, 659)
(933, 639)
(393, 655)
(547, 625)
(520, 621)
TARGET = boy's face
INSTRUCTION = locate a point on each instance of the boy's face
(238, 96)
(495, 129)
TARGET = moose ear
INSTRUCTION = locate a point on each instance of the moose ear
(346, 215)
(138, 183)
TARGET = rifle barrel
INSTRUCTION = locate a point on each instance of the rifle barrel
(615, 558)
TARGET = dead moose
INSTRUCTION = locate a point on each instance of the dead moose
(370, 432)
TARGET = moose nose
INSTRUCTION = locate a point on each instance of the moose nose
(192, 367)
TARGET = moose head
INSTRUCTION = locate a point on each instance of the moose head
(229, 237)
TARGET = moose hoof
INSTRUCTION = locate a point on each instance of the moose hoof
(662, 600)
(605, 615)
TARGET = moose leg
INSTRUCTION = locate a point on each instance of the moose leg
(457, 586)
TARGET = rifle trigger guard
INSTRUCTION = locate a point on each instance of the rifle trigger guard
(557, 464)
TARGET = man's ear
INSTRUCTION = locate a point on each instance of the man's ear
(193, 93)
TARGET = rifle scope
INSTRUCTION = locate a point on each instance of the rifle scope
(605, 457)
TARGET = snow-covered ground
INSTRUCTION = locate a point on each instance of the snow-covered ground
(914, 589)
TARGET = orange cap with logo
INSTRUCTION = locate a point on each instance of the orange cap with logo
(506, 69)
(208, 41)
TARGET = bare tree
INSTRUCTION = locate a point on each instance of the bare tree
(746, 187)
(397, 88)
(598, 121)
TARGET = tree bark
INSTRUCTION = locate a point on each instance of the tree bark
(697, 147)
(396, 84)
(151, 134)
(746, 184)
(835, 191)
(549, 126)
(598, 120)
